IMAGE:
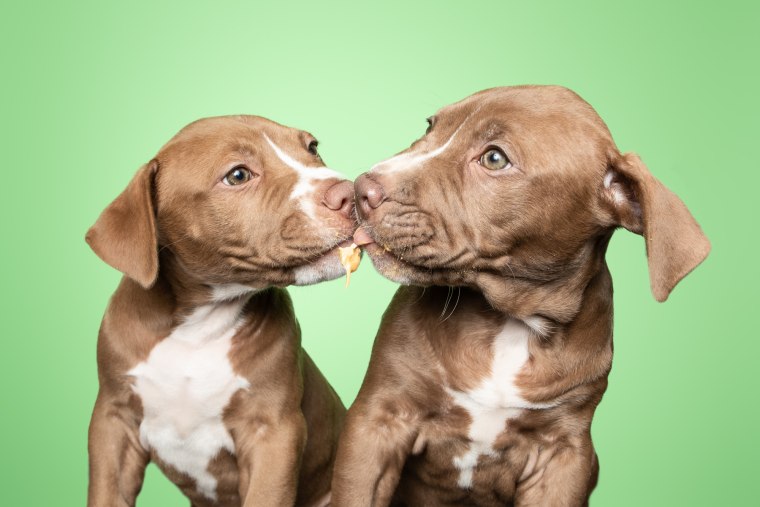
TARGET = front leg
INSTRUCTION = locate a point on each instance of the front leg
(372, 451)
(269, 460)
(117, 460)
(566, 480)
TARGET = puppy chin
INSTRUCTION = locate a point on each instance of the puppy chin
(399, 271)
(389, 266)
(323, 269)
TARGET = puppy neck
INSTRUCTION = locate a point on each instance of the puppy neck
(546, 304)
(191, 295)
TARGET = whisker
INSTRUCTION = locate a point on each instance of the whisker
(181, 238)
(456, 303)
(448, 300)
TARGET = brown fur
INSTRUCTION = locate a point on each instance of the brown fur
(176, 232)
(526, 243)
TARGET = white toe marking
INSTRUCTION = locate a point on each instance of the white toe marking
(303, 191)
(185, 384)
(496, 399)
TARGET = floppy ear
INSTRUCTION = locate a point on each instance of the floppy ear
(124, 235)
(642, 204)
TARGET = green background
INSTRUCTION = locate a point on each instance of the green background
(93, 89)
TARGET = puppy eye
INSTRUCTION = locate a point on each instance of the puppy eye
(237, 176)
(429, 121)
(494, 159)
(313, 147)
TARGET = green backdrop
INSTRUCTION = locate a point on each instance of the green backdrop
(91, 90)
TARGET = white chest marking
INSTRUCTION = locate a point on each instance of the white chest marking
(304, 188)
(229, 291)
(185, 384)
(496, 399)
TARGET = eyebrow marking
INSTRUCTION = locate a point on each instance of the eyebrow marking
(314, 173)
(406, 161)
(304, 188)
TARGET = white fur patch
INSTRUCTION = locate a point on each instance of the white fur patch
(540, 325)
(617, 192)
(185, 384)
(608, 179)
(326, 268)
(304, 188)
(410, 160)
(496, 399)
(230, 291)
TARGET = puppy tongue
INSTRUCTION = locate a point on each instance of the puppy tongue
(362, 238)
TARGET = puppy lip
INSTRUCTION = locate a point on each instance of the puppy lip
(326, 251)
(378, 252)
(389, 264)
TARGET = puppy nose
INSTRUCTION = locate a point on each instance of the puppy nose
(369, 193)
(340, 197)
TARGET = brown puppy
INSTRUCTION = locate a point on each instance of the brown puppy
(483, 394)
(199, 355)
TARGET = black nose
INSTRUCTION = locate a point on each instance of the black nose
(369, 194)
(340, 197)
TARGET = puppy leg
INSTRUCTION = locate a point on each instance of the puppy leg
(372, 451)
(566, 480)
(269, 460)
(117, 460)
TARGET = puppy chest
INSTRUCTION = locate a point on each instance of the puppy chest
(495, 397)
(459, 470)
(492, 402)
(184, 387)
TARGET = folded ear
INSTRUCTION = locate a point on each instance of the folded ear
(124, 235)
(642, 204)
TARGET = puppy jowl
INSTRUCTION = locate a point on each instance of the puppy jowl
(199, 354)
(500, 214)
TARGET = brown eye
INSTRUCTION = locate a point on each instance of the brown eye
(313, 147)
(237, 176)
(494, 159)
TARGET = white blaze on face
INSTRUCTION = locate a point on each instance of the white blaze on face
(303, 191)
(411, 160)
(496, 399)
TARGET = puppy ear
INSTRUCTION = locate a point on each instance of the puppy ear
(124, 235)
(642, 204)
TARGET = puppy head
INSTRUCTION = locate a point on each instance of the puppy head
(233, 200)
(517, 183)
